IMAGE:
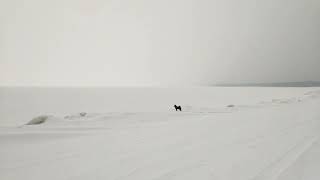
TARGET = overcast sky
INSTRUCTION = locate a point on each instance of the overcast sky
(158, 42)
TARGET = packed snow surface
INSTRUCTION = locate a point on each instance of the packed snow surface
(135, 134)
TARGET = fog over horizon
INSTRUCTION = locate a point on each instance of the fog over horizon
(148, 42)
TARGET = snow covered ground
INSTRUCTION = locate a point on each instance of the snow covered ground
(135, 134)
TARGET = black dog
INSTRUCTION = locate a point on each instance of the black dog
(177, 108)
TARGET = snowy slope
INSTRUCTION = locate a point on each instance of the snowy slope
(266, 137)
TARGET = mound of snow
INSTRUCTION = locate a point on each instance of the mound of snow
(44, 119)
(39, 120)
(81, 116)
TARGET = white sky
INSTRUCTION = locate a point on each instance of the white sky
(152, 42)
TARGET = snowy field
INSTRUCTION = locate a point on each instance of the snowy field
(135, 134)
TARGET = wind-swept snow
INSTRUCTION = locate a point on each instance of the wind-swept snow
(267, 139)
